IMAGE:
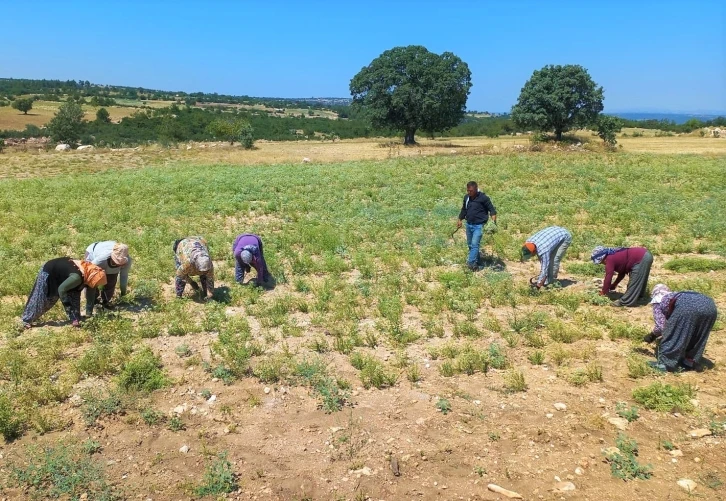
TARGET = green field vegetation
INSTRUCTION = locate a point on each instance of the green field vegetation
(355, 248)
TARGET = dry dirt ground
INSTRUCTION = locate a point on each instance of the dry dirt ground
(283, 447)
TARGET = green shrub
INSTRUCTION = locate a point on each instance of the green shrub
(623, 464)
(65, 470)
(664, 397)
(536, 357)
(687, 264)
(97, 403)
(219, 478)
(12, 424)
(151, 416)
(142, 372)
(514, 380)
(443, 405)
(631, 414)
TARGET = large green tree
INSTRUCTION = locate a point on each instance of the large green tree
(67, 124)
(23, 104)
(558, 98)
(410, 88)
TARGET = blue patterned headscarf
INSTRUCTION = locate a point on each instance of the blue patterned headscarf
(599, 253)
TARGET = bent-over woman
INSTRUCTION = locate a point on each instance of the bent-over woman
(683, 322)
(633, 261)
(62, 278)
(113, 257)
(248, 253)
(191, 256)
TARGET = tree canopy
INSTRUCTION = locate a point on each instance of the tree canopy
(410, 88)
(23, 104)
(558, 98)
(67, 124)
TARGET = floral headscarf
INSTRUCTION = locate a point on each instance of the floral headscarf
(599, 253)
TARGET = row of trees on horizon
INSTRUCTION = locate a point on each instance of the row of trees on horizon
(405, 89)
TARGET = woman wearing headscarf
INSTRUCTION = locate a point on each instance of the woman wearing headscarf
(633, 261)
(191, 256)
(113, 257)
(683, 322)
(62, 278)
(248, 253)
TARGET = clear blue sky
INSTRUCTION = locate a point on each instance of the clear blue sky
(648, 55)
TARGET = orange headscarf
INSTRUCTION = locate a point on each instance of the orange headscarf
(93, 276)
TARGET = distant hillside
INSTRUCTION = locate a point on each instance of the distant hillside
(677, 118)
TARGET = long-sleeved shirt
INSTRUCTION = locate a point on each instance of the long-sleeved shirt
(99, 253)
(187, 267)
(621, 262)
(545, 241)
(478, 209)
(252, 244)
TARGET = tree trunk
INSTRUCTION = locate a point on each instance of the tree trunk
(409, 139)
(558, 134)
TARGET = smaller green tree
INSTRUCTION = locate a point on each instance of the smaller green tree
(23, 104)
(67, 124)
(607, 127)
(232, 130)
(103, 116)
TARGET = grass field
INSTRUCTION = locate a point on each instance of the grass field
(375, 344)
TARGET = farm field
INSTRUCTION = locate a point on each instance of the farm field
(375, 349)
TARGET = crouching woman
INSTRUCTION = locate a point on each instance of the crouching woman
(683, 322)
(191, 257)
(62, 278)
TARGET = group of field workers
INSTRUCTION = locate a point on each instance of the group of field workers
(683, 320)
(107, 263)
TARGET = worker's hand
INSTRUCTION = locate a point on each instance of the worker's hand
(458, 223)
(76, 323)
(650, 337)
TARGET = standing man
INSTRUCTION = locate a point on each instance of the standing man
(549, 245)
(476, 209)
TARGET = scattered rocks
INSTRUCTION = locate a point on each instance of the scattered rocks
(619, 423)
(560, 406)
(687, 485)
(179, 409)
(85, 147)
(394, 466)
(699, 433)
(549, 415)
(363, 471)
(564, 487)
(306, 160)
(63, 147)
(267, 390)
(579, 471)
(676, 453)
(504, 492)
(75, 400)
(184, 449)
